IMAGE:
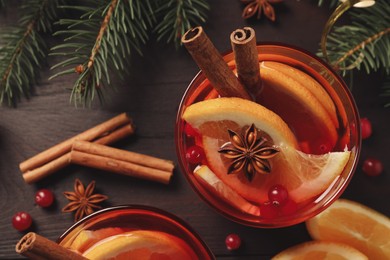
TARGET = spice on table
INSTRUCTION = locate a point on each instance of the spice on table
(34, 246)
(82, 200)
(58, 156)
(120, 161)
(259, 7)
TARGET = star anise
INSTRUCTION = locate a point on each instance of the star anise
(249, 152)
(82, 200)
(259, 7)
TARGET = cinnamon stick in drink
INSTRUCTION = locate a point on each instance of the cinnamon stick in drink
(212, 64)
(63, 160)
(243, 42)
(35, 246)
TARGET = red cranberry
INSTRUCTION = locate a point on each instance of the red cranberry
(289, 207)
(233, 242)
(195, 154)
(372, 167)
(366, 128)
(44, 198)
(277, 195)
(269, 211)
(21, 221)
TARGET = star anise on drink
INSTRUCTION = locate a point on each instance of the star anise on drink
(82, 200)
(249, 152)
(259, 7)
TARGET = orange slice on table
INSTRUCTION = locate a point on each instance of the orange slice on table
(353, 224)
(301, 102)
(141, 244)
(303, 175)
(314, 250)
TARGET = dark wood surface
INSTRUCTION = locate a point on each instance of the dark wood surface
(151, 96)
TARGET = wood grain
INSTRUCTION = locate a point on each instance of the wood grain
(151, 96)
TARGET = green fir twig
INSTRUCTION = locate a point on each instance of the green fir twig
(177, 16)
(24, 49)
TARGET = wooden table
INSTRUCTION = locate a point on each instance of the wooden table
(151, 96)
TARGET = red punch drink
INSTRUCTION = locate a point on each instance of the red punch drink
(134, 232)
(280, 159)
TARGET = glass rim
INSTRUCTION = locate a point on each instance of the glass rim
(324, 204)
(178, 221)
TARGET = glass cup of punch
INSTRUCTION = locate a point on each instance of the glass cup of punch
(268, 134)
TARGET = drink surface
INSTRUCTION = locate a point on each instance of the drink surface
(302, 95)
(134, 234)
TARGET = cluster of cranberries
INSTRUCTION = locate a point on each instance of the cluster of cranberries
(22, 220)
(371, 166)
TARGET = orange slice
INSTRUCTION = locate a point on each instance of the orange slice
(205, 176)
(141, 244)
(86, 238)
(310, 84)
(295, 102)
(353, 224)
(320, 250)
(303, 175)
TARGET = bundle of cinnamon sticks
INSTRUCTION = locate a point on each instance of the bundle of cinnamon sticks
(89, 149)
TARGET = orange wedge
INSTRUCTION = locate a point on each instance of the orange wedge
(86, 238)
(141, 244)
(353, 224)
(309, 83)
(320, 250)
(303, 175)
(295, 97)
(205, 176)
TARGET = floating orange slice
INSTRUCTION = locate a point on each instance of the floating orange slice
(294, 96)
(141, 244)
(86, 238)
(320, 250)
(353, 224)
(303, 175)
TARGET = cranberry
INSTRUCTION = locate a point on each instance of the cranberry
(372, 167)
(44, 198)
(190, 131)
(289, 207)
(21, 221)
(233, 242)
(277, 195)
(195, 154)
(366, 128)
(269, 210)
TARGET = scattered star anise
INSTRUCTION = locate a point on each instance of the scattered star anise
(249, 152)
(82, 200)
(259, 7)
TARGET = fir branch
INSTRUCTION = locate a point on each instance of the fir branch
(98, 42)
(177, 16)
(24, 50)
(365, 43)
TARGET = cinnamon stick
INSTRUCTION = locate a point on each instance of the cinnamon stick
(62, 161)
(243, 42)
(121, 167)
(35, 246)
(122, 155)
(65, 146)
(212, 64)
